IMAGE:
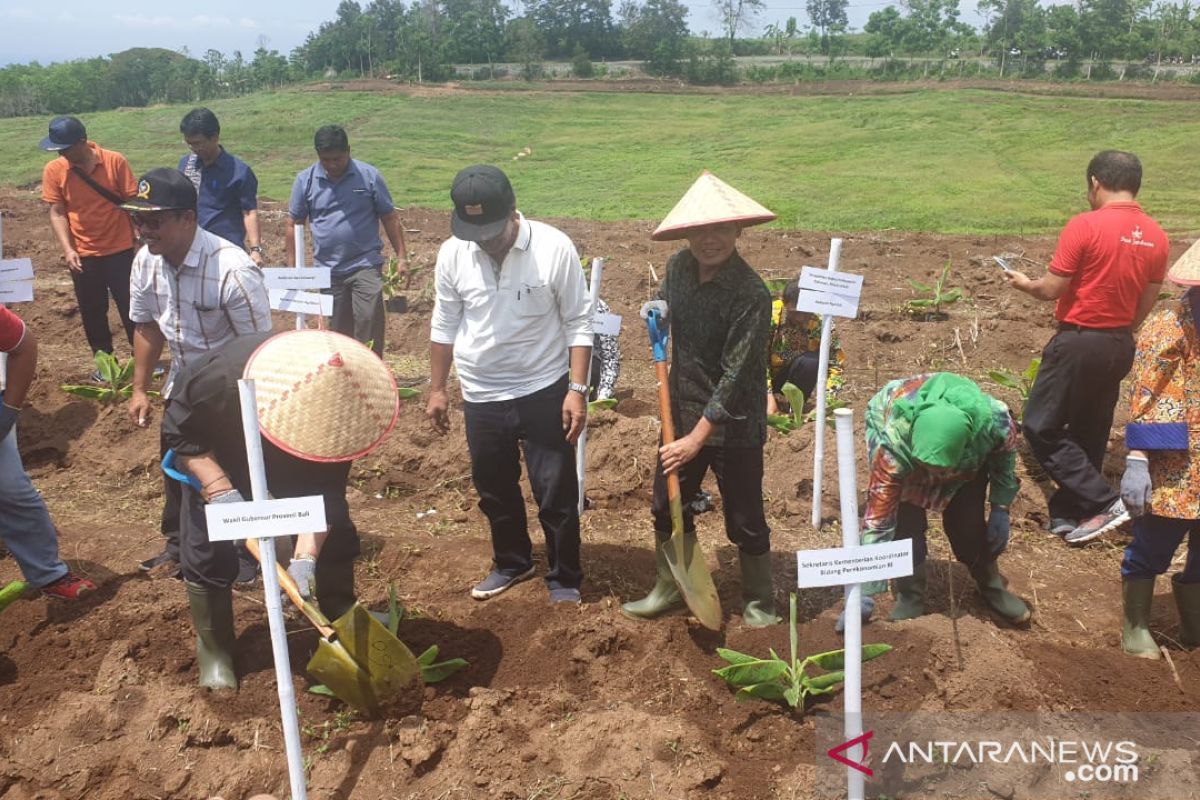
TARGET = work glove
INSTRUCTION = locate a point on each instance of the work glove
(8, 418)
(656, 305)
(231, 496)
(867, 609)
(1135, 485)
(304, 572)
(998, 528)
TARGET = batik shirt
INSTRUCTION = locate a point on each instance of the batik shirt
(1164, 417)
(719, 335)
(789, 342)
(896, 477)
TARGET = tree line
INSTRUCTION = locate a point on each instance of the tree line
(425, 39)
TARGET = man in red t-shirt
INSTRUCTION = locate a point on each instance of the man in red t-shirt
(1106, 273)
(25, 526)
(84, 187)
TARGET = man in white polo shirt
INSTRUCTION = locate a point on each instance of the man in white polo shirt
(192, 291)
(514, 315)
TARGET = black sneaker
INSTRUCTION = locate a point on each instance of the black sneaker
(1061, 526)
(247, 566)
(151, 564)
(497, 582)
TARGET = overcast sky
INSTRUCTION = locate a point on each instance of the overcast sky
(69, 29)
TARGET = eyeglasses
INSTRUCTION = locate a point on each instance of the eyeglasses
(150, 222)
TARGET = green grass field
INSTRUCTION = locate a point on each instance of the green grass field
(968, 161)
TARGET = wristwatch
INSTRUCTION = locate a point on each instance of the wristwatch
(258, 248)
(578, 387)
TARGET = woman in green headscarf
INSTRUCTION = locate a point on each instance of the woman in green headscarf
(936, 442)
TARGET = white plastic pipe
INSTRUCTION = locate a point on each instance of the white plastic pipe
(835, 257)
(581, 445)
(3, 356)
(852, 686)
(298, 231)
(279, 648)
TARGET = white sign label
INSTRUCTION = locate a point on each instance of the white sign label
(831, 293)
(16, 269)
(302, 302)
(16, 292)
(606, 324)
(839, 566)
(295, 278)
(258, 519)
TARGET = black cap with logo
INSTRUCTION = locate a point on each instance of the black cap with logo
(483, 203)
(65, 132)
(163, 189)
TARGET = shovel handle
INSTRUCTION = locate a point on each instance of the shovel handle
(293, 592)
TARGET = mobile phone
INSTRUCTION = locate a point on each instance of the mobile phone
(1004, 265)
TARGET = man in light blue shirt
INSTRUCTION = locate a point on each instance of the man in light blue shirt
(344, 200)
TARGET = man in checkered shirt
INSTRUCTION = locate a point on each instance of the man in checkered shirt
(192, 291)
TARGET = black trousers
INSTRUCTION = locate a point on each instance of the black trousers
(963, 520)
(101, 276)
(172, 500)
(739, 472)
(800, 371)
(533, 424)
(214, 564)
(1069, 414)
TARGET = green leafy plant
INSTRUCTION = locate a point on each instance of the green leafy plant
(393, 282)
(776, 679)
(932, 297)
(831, 405)
(785, 424)
(408, 393)
(117, 380)
(1022, 383)
(600, 405)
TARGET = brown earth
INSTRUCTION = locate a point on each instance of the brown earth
(98, 699)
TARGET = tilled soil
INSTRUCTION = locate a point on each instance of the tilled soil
(98, 699)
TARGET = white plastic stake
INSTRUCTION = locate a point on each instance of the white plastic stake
(279, 648)
(298, 231)
(852, 686)
(581, 445)
(835, 256)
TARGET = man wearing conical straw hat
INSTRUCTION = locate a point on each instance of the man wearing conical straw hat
(1161, 485)
(719, 311)
(323, 400)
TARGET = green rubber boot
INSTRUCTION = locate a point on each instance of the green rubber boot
(1137, 596)
(212, 616)
(1001, 600)
(758, 592)
(910, 594)
(663, 597)
(1187, 600)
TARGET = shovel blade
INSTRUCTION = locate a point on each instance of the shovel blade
(366, 666)
(686, 561)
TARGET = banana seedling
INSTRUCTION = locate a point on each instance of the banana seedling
(776, 679)
(116, 377)
(783, 423)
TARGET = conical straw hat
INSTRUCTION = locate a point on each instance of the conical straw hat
(1186, 270)
(322, 396)
(710, 201)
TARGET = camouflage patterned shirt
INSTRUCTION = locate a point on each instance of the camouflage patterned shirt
(719, 335)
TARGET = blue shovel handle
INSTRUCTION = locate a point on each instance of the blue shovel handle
(659, 332)
(168, 466)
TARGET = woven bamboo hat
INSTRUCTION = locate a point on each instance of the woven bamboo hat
(322, 396)
(1186, 270)
(710, 201)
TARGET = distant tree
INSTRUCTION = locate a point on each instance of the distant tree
(736, 15)
(525, 44)
(566, 24)
(655, 32)
(830, 20)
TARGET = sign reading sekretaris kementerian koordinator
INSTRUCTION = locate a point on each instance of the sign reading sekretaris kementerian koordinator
(258, 519)
(864, 563)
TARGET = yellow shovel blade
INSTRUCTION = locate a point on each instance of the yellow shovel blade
(686, 560)
(365, 666)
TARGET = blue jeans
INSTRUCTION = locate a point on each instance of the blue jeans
(1155, 540)
(25, 526)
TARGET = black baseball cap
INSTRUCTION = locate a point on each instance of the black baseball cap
(163, 189)
(65, 132)
(483, 203)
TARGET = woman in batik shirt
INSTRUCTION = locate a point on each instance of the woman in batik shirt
(795, 351)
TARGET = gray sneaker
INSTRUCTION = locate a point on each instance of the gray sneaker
(497, 582)
(1108, 519)
(565, 595)
(1061, 526)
